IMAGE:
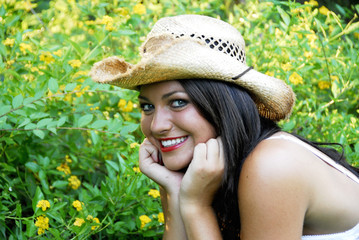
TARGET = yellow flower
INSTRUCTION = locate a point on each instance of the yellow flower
(334, 78)
(308, 54)
(110, 27)
(154, 193)
(47, 57)
(121, 103)
(25, 47)
(136, 169)
(133, 145)
(80, 73)
(43, 204)
(311, 37)
(96, 220)
(129, 107)
(107, 20)
(144, 220)
(287, 66)
(323, 10)
(139, 9)
(323, 84)
(25, 5)
(269, 73)
(295, 78)
(74, 63)
(278, 32)
(77, 204)
(161, 217)
(312, 2)
(89, 217)
(78, 222)
(58, 53)
(122, 11)
(42, 223)
(74, 182)
(9, 42)
(64, 168)
(68, 159)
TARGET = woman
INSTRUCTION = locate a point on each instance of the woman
(224, 167)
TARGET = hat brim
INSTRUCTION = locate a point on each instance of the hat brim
(185, 58)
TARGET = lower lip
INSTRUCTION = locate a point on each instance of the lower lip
(169, 149)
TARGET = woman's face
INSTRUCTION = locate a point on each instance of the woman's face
(171, 122)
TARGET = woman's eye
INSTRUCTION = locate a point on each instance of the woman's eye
(178, 103)
(146, 107)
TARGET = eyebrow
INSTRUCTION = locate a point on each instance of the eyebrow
(167, 95)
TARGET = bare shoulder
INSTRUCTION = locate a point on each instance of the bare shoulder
(277, 160)
(274, 191)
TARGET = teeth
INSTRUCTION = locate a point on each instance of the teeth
(170, 143)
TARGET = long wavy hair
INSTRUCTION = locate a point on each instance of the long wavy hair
(231, 110)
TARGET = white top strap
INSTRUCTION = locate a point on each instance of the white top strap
(319, 154)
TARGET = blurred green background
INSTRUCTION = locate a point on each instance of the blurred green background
(69, 146)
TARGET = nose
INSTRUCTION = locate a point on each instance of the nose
(161, 122)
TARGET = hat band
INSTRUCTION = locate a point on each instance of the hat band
(241, 74)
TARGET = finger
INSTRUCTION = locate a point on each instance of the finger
(148, 150)
(212, 150)
(199, 153)
(221, 149)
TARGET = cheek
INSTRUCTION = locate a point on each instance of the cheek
(145, 126)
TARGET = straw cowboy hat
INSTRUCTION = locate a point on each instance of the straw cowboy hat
(197, 47)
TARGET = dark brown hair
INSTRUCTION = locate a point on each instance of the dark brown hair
(231, 110)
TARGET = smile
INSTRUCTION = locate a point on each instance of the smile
(172, 144)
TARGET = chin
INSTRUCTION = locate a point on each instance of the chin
(176, 167)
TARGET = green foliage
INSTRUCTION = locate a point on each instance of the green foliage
(65, 138)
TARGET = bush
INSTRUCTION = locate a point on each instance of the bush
(69, 146)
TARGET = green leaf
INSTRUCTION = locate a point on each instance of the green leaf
(26, 121)
(128, 129)
(32, 166)
(44, 122)
(55, 233)
(60, 184)
(335, 89)
(38, 115)
(115, 125)
(53, 86)
(38, 196)
(28, 100)
(18, 210)
(85, 120)
(39, 133)
(77, 47)
(95, 138)
(352, 27)
(30, 126)
(53, 130)
(98, 124)
(3, 121)
(113, 165)
(30, 228)
(43, 161)
(70, 87)
(61, 121)
(284, 15)
(4, 109)
(17, 101)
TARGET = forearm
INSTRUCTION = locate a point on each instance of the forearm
(200, 222)
(174, 227)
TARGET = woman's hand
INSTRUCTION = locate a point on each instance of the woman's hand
(204, 174)
(150, 166)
